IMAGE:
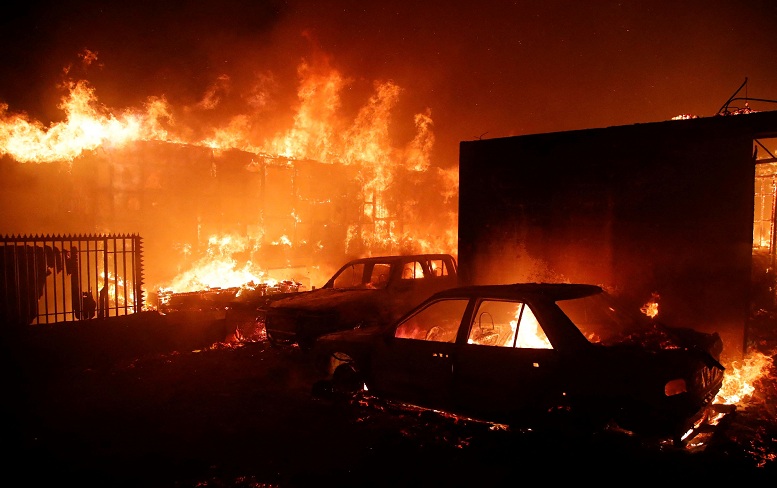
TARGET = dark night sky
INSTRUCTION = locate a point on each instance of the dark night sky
(497, 68)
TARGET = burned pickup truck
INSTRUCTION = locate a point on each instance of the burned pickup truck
(364, 292)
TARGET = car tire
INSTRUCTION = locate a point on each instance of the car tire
(347, 382)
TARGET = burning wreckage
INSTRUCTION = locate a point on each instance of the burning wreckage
(238, 306)
(218, 299)
(365, 291)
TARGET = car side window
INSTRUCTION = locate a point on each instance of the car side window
(412, 270)
(438, 322)
(379, 276)
(507, 324)
(350, 277)
(438, 267)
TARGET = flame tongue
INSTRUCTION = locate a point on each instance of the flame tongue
(651, 307)
(742, 377)
(87, 126)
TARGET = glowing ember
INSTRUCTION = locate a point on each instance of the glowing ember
(651, 308)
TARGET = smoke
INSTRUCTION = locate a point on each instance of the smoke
(486, 69)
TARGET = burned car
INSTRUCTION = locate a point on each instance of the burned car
(533, 356)
(364, 292)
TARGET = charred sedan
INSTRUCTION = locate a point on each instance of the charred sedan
(533, 356)
(363, 292)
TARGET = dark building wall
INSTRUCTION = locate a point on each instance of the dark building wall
(662, 208)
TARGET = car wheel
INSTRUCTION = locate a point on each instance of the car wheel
(347, 381)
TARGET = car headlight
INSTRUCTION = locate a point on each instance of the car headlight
(675, 387)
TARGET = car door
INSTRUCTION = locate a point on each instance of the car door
(414, 362)
(507, 367)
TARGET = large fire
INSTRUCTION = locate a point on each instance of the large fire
(317, 132)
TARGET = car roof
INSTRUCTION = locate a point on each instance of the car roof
(400, 257)
(552, 291)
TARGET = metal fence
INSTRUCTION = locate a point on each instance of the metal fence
(67, 278)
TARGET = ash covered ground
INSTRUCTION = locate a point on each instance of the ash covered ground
(140, 403)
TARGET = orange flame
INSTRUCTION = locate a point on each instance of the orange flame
(87, 125)
(743, 377)
(530, 334)
(651, 308)
(218, 268)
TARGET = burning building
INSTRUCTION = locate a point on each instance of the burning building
(217, 211)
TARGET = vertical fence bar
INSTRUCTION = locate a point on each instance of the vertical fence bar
(18, 262)
(59, 257)
(36, 284)
(112, 276)
(138, 267)
(124, 274)
(18, 276)
(115, 305)
(101, 280)
(18, 266)
(104, 291)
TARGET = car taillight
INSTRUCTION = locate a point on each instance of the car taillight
(675, 387)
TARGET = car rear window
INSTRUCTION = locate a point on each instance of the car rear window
(412, 270)
(497, 322)
(438, 267)
(602, 320)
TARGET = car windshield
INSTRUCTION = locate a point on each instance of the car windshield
(603, 321)
(372, 276)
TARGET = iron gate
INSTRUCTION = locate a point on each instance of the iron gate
(66, 278)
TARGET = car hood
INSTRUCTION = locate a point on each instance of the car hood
(661, 337)
(327, 298)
